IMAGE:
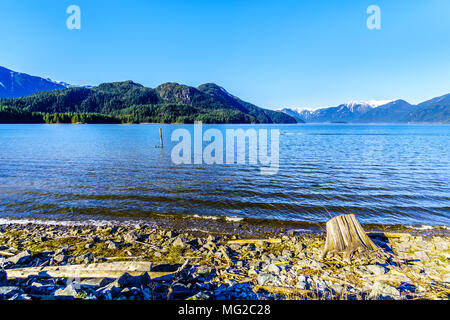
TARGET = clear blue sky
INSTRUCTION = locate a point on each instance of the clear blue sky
(271, 53)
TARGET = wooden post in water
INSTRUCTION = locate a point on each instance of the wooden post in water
(345, 233)
(160, 137)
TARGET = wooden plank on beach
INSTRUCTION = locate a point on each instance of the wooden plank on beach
(397, 235)
(389, 234)
(95, 270)
(253, 241)
(6, 254)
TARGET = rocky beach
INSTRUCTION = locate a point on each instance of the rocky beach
(149, 262)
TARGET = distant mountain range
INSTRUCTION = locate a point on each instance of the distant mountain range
(126, 101)
(16, 84)
(25, 95)
(436, 110)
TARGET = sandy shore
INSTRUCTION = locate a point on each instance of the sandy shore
(42, 262)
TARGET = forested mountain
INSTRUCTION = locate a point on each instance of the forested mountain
(434, 110)
(133, 103)
(394, 111)
(29, 99)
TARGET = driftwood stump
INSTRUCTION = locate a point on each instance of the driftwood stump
(345, 234)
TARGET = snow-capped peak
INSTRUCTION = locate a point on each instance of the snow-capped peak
(299, 110)
(370, 103)
(61, 83)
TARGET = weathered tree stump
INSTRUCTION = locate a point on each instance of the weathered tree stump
(345, 234)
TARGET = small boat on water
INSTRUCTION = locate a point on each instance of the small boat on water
(283, 132)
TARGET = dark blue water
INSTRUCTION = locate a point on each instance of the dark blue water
(385, 174)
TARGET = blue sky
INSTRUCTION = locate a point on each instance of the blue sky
(271, 53)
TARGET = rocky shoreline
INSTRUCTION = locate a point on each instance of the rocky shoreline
(147, 262)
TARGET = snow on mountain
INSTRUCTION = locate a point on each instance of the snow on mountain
(346, 112)
(18, 84)
(61, 83)
(370, 103)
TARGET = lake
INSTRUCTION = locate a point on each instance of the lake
(385, 174)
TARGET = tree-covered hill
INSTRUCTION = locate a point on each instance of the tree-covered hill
(433, 110)
(131, 102)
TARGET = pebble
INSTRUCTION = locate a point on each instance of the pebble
(71, 291)
(381, 290)
(8, 292)
(127, 280)
(376, 269)
(267, 279)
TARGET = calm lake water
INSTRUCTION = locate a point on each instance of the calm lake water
(385, 174)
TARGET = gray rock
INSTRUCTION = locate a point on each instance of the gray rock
(310, 263)
(264, 279)
(321, 285)
(147, 294)
(89, 245)
(61, 251)
(230, 282)
(88, 257)
(70, 291)
(376, 269)
(21, 258)
(111, 245)
(127, 280)
(254, 264)
(235, 247)
(131, 236)
(3, 277)
(265, 258)
(18, 296)
(96, 282)
(422, 256)
(210, 246)
(440, 244)
(41, 289)
(170, 234)
(202, 295)
(272, 268)
(180, 291)
(301, 285)
(9, 291)
(337, 288)
(109, 291)
(383, 291)
(180, 242)
(252, 272)
(286, 253)
(196, 243)
(301, 278)
(60, 258)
